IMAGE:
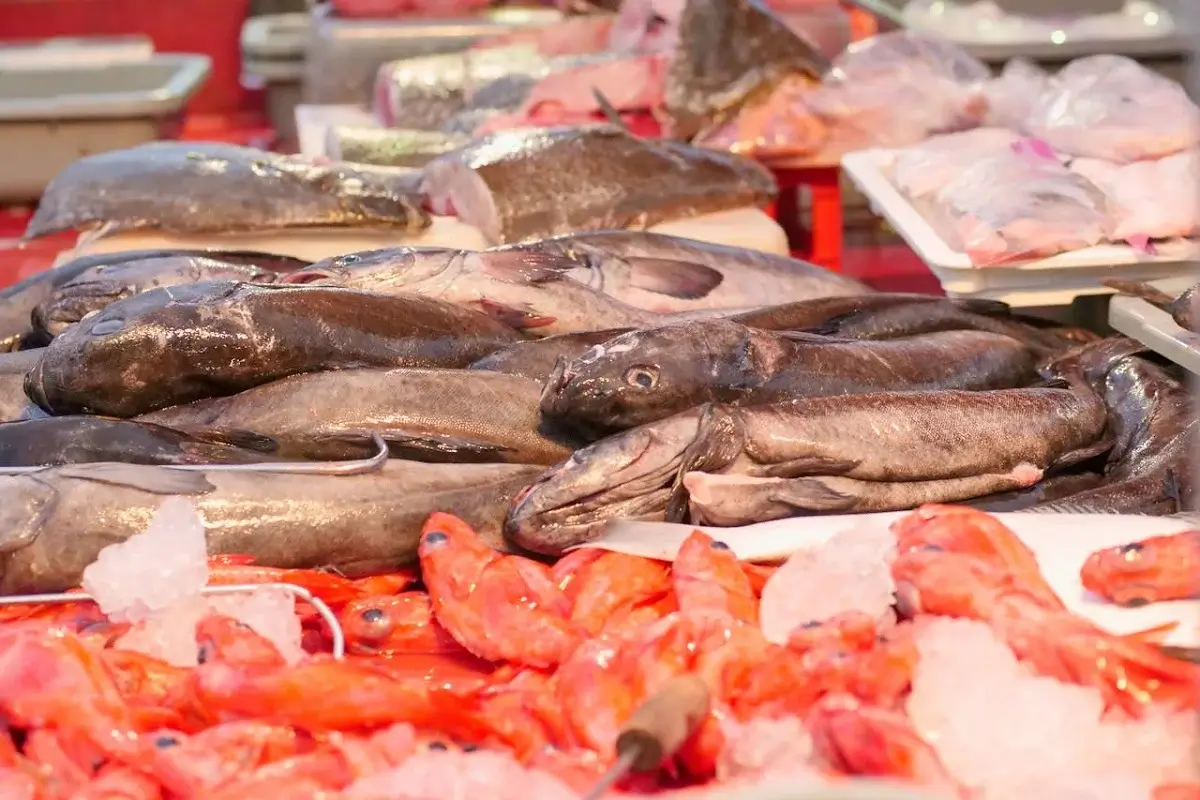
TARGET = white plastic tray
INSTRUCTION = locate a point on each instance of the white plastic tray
(1061, 543)
(1154, 327)
(314, 121)
(1045, 282)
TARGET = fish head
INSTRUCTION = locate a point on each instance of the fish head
(931, 580)
(452, 554)
(377, 623)
(646, 375)
(75, 300)
(376, 269)
(1138, 573)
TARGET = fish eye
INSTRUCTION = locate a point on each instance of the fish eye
(436, 745)
(719, 545)
(642, 377)
(1131, 551)
(372, 615)
(931, 548)
(203, 653)
(107, 326)
(1135, 602)
(812, 623)
(470, 748)
(350, 259)
(436, 537)
(163, 741)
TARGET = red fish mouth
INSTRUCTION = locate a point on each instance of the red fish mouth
(307, 276)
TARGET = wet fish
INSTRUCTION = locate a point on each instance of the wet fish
(825, 314)
(183, 343)
(14, 404)
(1154, 570)
(729, 52)
(54, 441)
(203, 187)
(95, 288)
(536, 358)
(527, 290)
(646, 375)
(389, 147)
(1044, 491)
(58, 520)
(883, 437)
(665, 273)
(423, 415)
(528, 183)
(1184, 309)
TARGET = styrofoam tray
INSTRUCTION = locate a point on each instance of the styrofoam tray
(314, 121)
(1061, 543)
(1154, 327)
(1045, 282)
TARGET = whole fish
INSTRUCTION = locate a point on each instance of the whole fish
(884, 436)
(61, 518)
(665, 273)
(1184, 309)
(178, 344)
(537, 358)
(14, 403)
(527, 290)
(646, 375)
(423, 414)
(1153, 570)
(210, 187)
(95, 288)
(55, 441)
(824, 314)
(526, 183)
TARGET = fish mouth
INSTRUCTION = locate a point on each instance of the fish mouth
(35, 385)
(307, 276)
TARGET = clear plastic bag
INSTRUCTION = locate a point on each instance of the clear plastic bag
(1012, 96)
(1112, 108)
(925, 169)
(1023, 204)
(777, 126)
(824, 25)
(1153, 199)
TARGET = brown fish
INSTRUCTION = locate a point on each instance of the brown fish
(537, 358)
(175, 345)
(528, 184)
(645, 375)
(58, 520)
(1184, 309)
(208, 187)
(423, 415)
(819, 314)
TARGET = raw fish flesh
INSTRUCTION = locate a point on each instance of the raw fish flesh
(1152, 198)
(925, 169)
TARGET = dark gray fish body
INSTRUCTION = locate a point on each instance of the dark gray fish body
(818, 313)
(175, 345)
(524, 184)
(55, 441)
(645, 375)
(206, 187)
(437, 415)
(536, 359)
(1044, 491)
(14, 404)
(883, 437)
(57, 521)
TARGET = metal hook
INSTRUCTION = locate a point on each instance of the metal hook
(336, 634)
(354, 467)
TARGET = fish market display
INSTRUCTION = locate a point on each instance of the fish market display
(205, 187)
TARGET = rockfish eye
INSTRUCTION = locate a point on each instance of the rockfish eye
(642, 377)
(349, 259)
(372, 615)
(719, 545)
(107, 326)
(1131, 551)
(436, 537)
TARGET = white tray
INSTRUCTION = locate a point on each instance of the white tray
(314, 121)
(1154, 327)
(1045, 282)
(1061, 543)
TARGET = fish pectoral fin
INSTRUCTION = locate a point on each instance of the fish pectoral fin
(513, 317)
(810, 494)
(808, 467)
(526, 266)
(987, 308)
(155, 480)
(680, 279)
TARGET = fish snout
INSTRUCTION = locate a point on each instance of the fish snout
(35, 385)
(552, 391)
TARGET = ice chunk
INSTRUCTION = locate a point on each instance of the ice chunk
(436, 775)
(763, 746)
(153, 570)
(850, 572)
(270, 612)
(169, 634)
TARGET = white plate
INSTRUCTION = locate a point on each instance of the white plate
(1154, 327)
(1061, 543)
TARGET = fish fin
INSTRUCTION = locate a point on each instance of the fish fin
(155, 480)
(683, 280)
(1100, 447)
(514, 317)
(810, 466)
(811, 494)
(1153, 635)
(232, 437)
(718, 442)
(1145, 291)
(1050, 383)
(987, 308)
(525, 266)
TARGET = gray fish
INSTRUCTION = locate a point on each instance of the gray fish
(880, 437)
(729, 52)
(14, 404)
(822, 313)
(95, 288)
(664, 273)
(389, 147)
(55, 441)
(206, 187)
(537, 358)
(646, 375)
(1184, 309)
(183, 343)
(526, 183)
(530, 291)
(1044, 491)
(58, 520)
(423, 415)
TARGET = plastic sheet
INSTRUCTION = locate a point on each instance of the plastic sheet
(1013, 95)
(925, 169)
(1023, 204)
(1155, 199)
(824, 25)
(779, 125)
(1112, 108)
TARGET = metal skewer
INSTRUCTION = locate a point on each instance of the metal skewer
(656, 731)
(336, 635)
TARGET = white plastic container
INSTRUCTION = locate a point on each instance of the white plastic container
(273, 50)
(1154, 327)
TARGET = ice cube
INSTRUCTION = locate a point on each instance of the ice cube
(268, 611)
(850, 572)
(436, 775)
(169, 634)
(763, 746)
(151, 571)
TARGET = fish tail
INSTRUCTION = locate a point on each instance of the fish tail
(1140, 289)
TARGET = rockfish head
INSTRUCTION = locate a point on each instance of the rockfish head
(377, 269)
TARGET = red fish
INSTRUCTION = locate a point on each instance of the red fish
(1153, 570)
(390, 625)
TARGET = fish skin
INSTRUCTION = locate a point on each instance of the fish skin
(423, 414)
(524, 184)
(646, 375)
(1046, 490)
(389, 147)
(14, 404)
(664, 273)
(99, 286)
(183, 343)
(55, 441)
(205, 187)
(883, 436)
(536, 358)
(57, 521)
(817, 314)
(528, 290)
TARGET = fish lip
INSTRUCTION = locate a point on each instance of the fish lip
(302, 277)
(35, 385)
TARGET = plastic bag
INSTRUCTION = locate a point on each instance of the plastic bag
(1112, 108)
(777, 126)
(825, 26)
(1154, 199)
(1012, 96)
(1023, 204)
(925, 169)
